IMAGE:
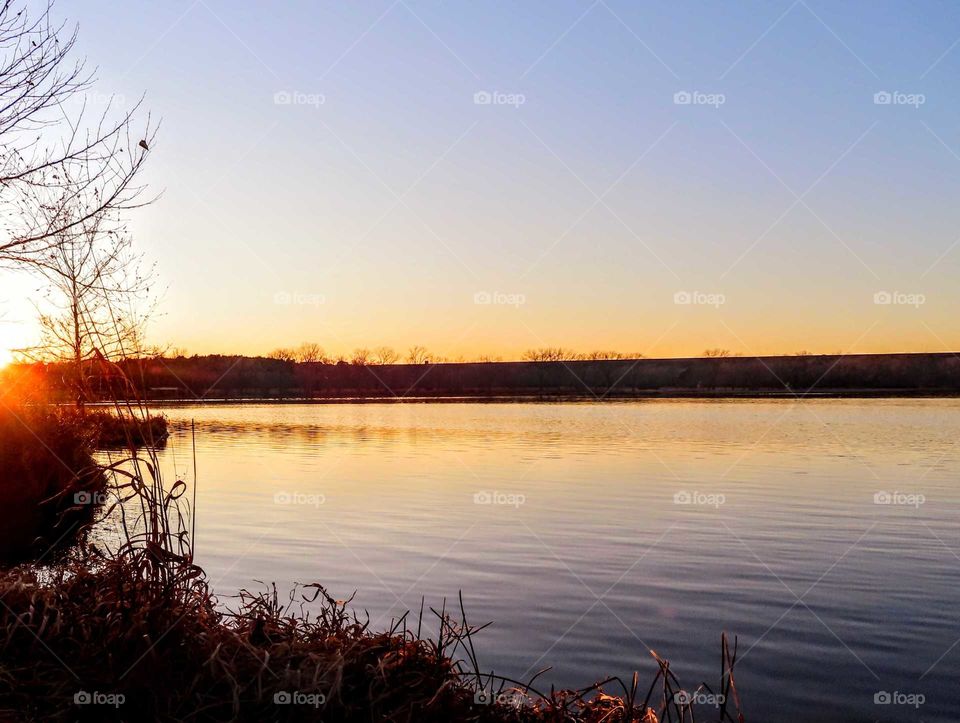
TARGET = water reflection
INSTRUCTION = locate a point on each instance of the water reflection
(829, 591)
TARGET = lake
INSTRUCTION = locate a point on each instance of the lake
(824, 534)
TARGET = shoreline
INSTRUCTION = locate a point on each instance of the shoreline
(560, 398)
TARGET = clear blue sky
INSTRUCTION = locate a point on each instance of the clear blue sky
(264, 199)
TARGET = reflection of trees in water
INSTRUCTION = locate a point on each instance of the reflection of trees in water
(680, 426)
(320, 435)
(471, 432)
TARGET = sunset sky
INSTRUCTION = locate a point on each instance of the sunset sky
(328, 176)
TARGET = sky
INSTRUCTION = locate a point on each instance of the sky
(481, 178)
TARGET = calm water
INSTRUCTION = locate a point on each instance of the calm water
(584, 560)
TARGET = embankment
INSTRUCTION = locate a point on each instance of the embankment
(234, 377)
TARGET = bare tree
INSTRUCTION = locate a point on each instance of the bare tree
(601, 355)
(417, 355)
(716, 353)
(547, 353)
(52, 163)
(309, 352)
(385, 355)
(95, 307)
(360, 357)
(283, 354)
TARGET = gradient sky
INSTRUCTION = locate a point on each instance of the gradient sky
(381, 212)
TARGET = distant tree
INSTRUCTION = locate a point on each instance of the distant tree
(716, 353)
(283, 354)
(803, 352)
(600, 355)
(309, 352)
(547, 354)
(486, 359)
(417, 355)
(360, 357)
(384, 355)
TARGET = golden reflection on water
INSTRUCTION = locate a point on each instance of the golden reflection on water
(380, 499)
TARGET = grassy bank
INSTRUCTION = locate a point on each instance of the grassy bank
(49, 481)
(116, 430)
(129, 629)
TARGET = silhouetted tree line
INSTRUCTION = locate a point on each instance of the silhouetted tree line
(237, 377)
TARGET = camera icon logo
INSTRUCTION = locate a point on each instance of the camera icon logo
(483, 498)
(282, 697)
(883, 297)
(482, 697)
(482, 297)
(81, 697)
(682, 297)
(282, 97)
(882, 98)
(82, 498)
(282, 298)
(683, 498)
(882, 697)
(482, 97)
(882, 498)
(682, 97)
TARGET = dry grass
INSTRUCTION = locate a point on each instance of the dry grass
(112, 627)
